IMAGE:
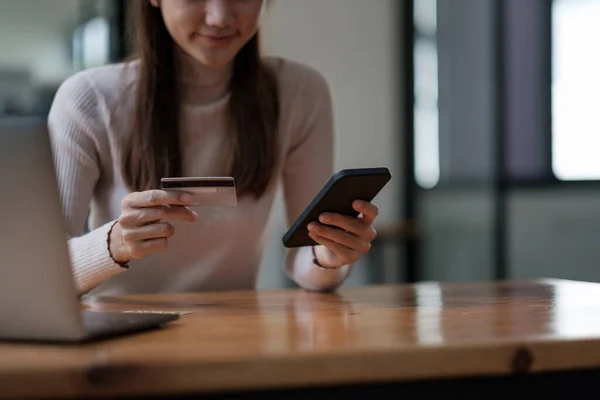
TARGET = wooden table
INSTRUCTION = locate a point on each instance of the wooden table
(363, 340)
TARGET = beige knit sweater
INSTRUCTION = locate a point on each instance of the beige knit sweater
(224, 248)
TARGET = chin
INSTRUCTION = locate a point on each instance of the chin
(213, 62)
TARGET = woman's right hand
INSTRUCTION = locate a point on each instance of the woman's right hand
(141, 228)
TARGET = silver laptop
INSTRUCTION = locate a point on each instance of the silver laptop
(38, 299)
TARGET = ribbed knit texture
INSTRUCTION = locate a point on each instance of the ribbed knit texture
(222, 250)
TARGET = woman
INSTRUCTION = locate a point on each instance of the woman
(198, 100)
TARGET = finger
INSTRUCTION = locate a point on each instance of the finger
(142, 216)
(152, 198)
(342, 253)
(153, 231)
(353, 225)
(368, 210)
(143, 248)
(340, 237)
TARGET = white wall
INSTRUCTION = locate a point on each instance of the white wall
(355, 44)
(34, 34)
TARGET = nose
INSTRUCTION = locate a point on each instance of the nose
(218, 13)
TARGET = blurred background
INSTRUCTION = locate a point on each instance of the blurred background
(487, 112)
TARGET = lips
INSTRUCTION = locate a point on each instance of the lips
(217, 38)
(223, 37)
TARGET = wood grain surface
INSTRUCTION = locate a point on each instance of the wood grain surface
(250, 340)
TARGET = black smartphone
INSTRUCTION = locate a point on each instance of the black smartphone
(337, 196)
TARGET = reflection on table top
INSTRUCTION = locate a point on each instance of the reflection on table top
(253, 339)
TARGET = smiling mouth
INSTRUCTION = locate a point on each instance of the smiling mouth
(217, 38)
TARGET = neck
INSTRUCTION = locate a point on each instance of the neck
(202, 85)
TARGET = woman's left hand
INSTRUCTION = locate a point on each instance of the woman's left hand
(342, 239)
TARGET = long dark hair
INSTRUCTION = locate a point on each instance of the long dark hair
(152, 150)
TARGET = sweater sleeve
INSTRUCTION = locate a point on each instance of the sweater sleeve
(308, 165)
(75, 123)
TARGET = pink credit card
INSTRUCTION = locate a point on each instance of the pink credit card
(205, 191)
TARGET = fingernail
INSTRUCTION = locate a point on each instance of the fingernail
(359, 204)
(312, 227)
(325, 218)
(186, 198)
(195, 215)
